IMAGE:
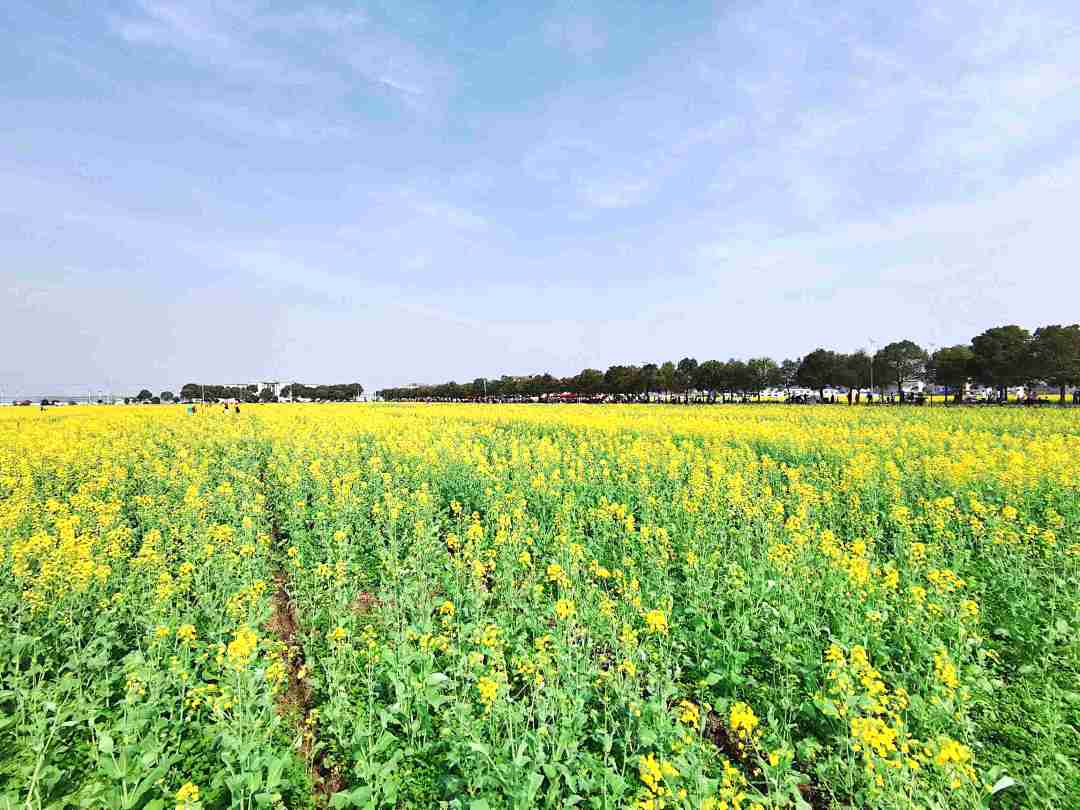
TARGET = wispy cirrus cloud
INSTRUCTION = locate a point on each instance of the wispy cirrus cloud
(327, 51)
(812, 113)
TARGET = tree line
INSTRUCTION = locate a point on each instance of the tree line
(196, 392)
(338, 392)
(1000, 358)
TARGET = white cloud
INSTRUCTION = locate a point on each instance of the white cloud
(1005, 256)
(258, 47)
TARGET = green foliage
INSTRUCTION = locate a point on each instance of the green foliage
(1003, 356)
(952, 367)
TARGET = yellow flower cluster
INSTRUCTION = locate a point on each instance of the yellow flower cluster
(657, 775)
(488, 688)
(242, 647)
(187, 797)
(744, 725)
(656, 621)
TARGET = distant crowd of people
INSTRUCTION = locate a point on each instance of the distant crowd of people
(193, 408)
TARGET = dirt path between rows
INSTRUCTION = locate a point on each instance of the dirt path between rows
(717, 732)
(296, 700)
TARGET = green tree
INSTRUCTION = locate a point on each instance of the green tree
(737, 377)
(1055, 354)
(902, 362)
(684, 375)
(788, 373)
(855, 370)
(666, 377)
(1003, 357)
(708, 377)
(144, 396)
(761, 373)
(951, 367)
(819, 370)
(167, 396)
(649, 378)
(589, 382)
(621, 380)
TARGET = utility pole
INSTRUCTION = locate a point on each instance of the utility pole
(872, 353)
(932, 347)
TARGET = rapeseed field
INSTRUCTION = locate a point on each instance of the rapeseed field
(484, 607)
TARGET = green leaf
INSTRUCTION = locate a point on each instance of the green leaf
(361, 796)
(105, 744)
(386, 739)
(828, 708)
(273, 774)
(479, 804)
(151, 779)
(615, 781)
(108, 767)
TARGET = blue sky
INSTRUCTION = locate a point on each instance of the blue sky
(398, 192)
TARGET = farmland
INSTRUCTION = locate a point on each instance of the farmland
(483, 607)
